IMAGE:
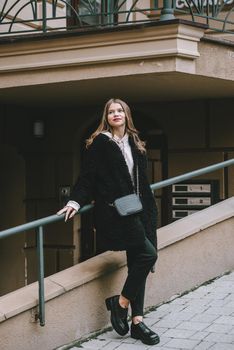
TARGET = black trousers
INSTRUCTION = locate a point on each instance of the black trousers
(140, 260)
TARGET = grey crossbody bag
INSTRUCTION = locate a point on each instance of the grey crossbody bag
(130, 204)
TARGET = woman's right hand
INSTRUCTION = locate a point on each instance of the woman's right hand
(69, 212)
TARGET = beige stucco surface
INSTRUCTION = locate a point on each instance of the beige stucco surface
(168, 60)
(192, 250)
(215, 60)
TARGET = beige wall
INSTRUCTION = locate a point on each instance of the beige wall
(230, 176)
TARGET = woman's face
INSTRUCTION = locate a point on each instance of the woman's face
(115, 116)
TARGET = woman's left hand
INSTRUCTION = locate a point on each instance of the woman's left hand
(70, 212)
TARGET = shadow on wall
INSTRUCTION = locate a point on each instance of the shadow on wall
(12, 213)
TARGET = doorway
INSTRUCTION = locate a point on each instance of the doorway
(12, 213)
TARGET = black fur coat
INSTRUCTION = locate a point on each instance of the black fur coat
(105, 177)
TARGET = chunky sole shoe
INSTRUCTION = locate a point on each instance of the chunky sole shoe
(146, 335)
(118, 315)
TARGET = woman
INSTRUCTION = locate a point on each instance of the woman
(115, 162)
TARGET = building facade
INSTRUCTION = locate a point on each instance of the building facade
(177, 75)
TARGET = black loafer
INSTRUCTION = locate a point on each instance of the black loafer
(118, 315)
(146, 335)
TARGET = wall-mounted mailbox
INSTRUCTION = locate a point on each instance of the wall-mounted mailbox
(190, 197)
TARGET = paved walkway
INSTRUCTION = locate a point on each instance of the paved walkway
(202, 319)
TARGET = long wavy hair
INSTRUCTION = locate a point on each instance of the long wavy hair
(129, 127)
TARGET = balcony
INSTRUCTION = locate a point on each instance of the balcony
(21, 17)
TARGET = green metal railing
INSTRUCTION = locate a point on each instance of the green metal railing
(40, 223)
(31, 16)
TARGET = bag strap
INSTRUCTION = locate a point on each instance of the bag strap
(137, 182)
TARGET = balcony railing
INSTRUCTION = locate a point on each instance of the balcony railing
(41, 16)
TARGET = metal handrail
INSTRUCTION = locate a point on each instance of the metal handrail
(192, 174)
(38, 225)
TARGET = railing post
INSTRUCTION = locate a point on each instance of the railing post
(40, 262)
(110, 16)
(167, 12)
(155, 4)
(44, 19)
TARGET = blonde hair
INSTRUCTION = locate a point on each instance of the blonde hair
(130, 128)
